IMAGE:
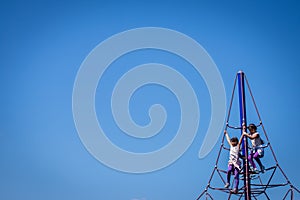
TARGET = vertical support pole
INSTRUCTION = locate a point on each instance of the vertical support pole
(243, 121)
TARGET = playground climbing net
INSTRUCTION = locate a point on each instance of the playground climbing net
(262, 183)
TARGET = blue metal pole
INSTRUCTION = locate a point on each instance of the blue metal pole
(243, 121)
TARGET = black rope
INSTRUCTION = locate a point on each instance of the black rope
(270, 185)
(239, 127)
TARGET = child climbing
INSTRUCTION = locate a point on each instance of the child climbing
(234, 164)
(257, 151)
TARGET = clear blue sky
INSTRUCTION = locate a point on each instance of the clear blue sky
(42, 45)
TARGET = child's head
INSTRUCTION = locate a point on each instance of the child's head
(234, 141)
(252, 128)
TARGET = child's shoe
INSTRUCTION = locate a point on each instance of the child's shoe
(227, 185)
(234, 191)
(255, 171)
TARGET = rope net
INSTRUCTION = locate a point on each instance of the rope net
(264, 183)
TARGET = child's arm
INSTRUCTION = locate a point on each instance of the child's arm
(255, 135)
(240, 141)
(227, 137)
(242, 136)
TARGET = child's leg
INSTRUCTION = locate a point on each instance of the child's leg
(230, 168)
(250, 159)
(256, 157)
(236, 177)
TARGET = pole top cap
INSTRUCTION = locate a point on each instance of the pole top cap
(240, 72)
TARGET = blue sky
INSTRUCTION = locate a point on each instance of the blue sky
(43, 44)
